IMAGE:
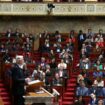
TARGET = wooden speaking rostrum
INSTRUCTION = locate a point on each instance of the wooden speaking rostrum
(35, 93)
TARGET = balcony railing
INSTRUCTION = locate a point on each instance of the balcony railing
(59, 9)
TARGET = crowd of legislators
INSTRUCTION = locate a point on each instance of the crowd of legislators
(53, 68)
(90, 81)
(47, 69)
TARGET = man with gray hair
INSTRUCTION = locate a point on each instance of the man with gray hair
(18, 81)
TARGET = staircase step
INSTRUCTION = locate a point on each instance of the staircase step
(3, 89)
(71, 85)
(7, 103)
(67, 98)
(68, 94)
(70, 89)
(6, 99)
(1, 85)
(74, 76)
(4, 94)
(72, 80)
(67, 103)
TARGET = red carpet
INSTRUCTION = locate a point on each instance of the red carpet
(4, 94)
(68, 96)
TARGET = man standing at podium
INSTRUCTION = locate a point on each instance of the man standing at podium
(18, 81)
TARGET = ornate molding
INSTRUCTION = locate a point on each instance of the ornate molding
(61, 9)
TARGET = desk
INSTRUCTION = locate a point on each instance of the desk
(32, 97)
(1, 102)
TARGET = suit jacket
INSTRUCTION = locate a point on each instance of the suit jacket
(18, 80)
(82, 91)
(103, 91)
(79, 37)
(93, 102)
(97, 91)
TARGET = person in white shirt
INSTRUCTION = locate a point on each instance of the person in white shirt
(99, 82)
(62, 64)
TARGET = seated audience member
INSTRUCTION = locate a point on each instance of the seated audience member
(69, 47)
(45, 34)
(59, 38)
(62, 73)
(62, 64)
(81, 38)
(28, 58)
(79, 78)
(97, 74)
(99, 40)
(83, 49)
(53, 66)
(103, 91)
(46, 46)
(89, 34)
(57, 34)
(96, 90)
(71, 38)
(27, 47)
(101, 56)
(98, 65)
(57, 80)
(6, 57)
(93, 100)
(85, 63)
(51, 54)
(38, 74)
(43, 63)
(99, 82)
(48, 76)
(88, 48)
(58, 47)
(17, 33)
(100, 102)
(79, 101)
(2, 48)
(82, 90)
(8, 33)
(66, 56)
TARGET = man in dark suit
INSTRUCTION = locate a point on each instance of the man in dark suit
(82, 90)
(81, 38)
(96, 90)
(18, 81)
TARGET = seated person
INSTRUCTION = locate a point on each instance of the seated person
(93, 100)
(79, 101)
(7, 57)
(57, 80)
(98, 65)
(95, 90)
(82, 90)
(62, 64)
(58, 47)
(99, 82)
(79, 77)
(97, 74)
(100, 102)
(38, 74)
(85, 62)
(103, 91)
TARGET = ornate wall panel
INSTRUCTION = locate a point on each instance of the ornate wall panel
(61, 9)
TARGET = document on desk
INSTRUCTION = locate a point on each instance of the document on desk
(34, 82)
